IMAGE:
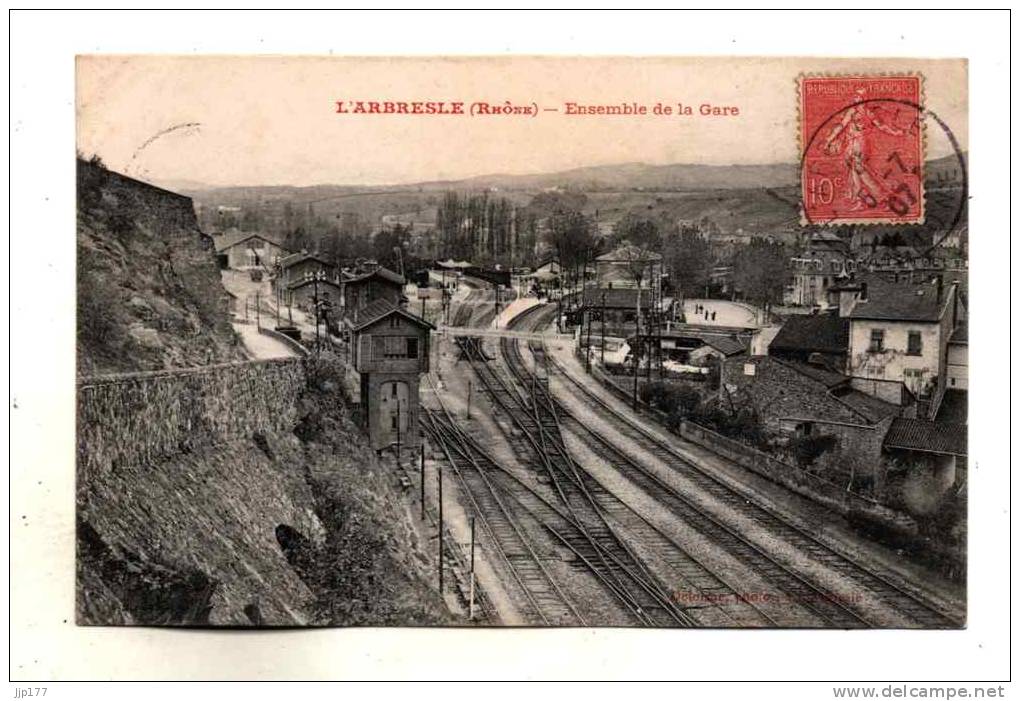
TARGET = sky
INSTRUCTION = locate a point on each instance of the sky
(223, 120)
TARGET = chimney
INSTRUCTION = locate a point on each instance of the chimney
(938, 290)
(864, 292)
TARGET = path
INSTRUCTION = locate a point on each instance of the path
(260, 346)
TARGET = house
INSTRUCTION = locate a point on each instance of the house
(304, 295)
(821, 338)
(361, 289)
(694, 347)
(615, 311)
(622, 267)
(824, 262)
(804, 399)
(937, 449)
(239, 250)
(390, 351)
(899, 334)
(957, 358)
(546, 272)
(298, 267)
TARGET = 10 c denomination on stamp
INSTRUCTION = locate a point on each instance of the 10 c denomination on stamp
(862, 141)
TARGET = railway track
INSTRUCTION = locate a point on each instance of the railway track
(549, 605)
(613, 561)
(827, 605)
(499, 499)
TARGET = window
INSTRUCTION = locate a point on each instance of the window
(877, 341)
(395, 347)
(394, 321)
(400, 347)
(914, 343)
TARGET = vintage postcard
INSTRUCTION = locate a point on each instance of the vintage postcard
(522, 341)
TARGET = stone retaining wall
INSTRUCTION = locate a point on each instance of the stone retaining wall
(812, 486)
(138, 418)
(797, 480)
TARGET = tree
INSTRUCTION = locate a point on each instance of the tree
(641, 239)
(761, 270)
(388, 246)
(688, 258)
(297, 239)
(572, 236)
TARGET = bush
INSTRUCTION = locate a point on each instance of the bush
(807, 449)
(743, 425)
(676, 401)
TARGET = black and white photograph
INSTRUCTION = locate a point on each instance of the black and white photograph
(509, 345)
(659, 388)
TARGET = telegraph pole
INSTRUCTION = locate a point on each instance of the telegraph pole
(471, 599)
(398, 430)
(422, 482)
(587, 347)
(277, 306)
(603, 330)
(469, 401)
(439, 476)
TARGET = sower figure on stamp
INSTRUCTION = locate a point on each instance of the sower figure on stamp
(857, 121)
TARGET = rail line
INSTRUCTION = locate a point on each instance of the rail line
(616, 563)
(831, 608)
(509, 496)
(549, 604)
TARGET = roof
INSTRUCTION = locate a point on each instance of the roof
(816, 333)
(233, 238)
(871, 408)
(880, 253)
(303, 283)
(627, 254)
(295, 258)
(927, 436)
(380, 272)
(961, 333)
(616, 298)
(726, 343)
(377, 311)
(823, 376)
(833, 400)
(451, 263)
(901, 302)
(953, 408)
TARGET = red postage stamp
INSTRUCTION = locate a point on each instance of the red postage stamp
(862, 141)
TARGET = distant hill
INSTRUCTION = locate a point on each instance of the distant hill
(677, 176)
(623, 176)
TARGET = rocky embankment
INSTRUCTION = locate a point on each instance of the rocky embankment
(296, 524)
(149, 291)
(212, 491)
